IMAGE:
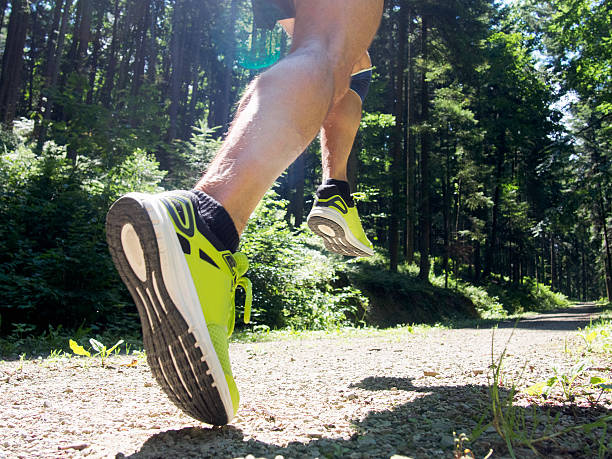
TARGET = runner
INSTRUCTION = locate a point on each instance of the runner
(177, 251)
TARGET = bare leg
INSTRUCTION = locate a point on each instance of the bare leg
(287, 105)
(341, 125)
(339, 130)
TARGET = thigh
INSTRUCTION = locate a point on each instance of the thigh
(345, 28)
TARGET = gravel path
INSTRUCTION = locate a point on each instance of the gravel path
(369, 395)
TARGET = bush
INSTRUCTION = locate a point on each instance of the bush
(401, 298)
(294, 283)
(54, 264)
(528, 296)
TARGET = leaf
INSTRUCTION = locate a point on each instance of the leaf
(601, 422)
(97, 345)
(543, 387)
(598, 380)
(118, 343)
(78, 350)
(591, 336)
(536, 389)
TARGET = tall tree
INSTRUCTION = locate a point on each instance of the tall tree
(425, 209)
(396, 149)
(12, 59)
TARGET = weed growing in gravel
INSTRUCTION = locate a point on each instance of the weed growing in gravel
(597, 336)
(565, 379)
(461, 451)
(101, 350)
(22, 359)
(520, 427)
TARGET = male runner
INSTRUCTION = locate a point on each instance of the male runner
(176, 251)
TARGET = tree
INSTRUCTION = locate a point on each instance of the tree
(12, 59)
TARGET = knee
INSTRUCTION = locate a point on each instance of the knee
(325, 76)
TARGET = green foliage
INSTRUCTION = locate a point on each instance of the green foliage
(597, 336)
(101, 350)
(528, 296)
(401, 298)
(294, 283)
(194, 156)
(54, 264)
(520, 427)
(565, 379)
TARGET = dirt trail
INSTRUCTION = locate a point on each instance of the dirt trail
(369, 395)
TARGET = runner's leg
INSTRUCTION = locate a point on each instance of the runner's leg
(340, 128)
(288, 104)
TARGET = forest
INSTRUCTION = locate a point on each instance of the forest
(482, 168)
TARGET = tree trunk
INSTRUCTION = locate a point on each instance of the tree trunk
(396, 149)
(425, 216)
(84, 35)
(177, 55)
(583, 282)
(52, 42)
(492, 245)
(95, 57)
(3, 4)
(143, 22)
(54, 60)
(553, 265)
(109, 79)
(446, 203)
(477, 266)
(223, 108)
(12, 60)
(409, 145)
(606, 241)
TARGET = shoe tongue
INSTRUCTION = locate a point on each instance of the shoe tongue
(242, 263)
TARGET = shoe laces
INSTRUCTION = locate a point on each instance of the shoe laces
(242, 265)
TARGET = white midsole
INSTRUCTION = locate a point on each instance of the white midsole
(332, 215)
(179, 284)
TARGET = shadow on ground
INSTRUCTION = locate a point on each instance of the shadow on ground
(422, 428)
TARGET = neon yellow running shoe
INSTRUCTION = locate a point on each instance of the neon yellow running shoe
(337, 222)
(183, 283)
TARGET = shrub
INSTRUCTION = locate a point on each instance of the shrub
(528, 296)
(54, 264)
(293, 281)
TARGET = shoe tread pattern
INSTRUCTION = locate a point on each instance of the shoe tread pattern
(337, 243)
(176, 362)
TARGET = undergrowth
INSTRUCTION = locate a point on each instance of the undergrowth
(538, 424)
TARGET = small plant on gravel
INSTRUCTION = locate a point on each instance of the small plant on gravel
(597, 336)
(517, 428)
(22, 359)
(565, 379)
(101, 350)
(461, 451)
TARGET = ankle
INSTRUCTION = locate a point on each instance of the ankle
(331, 187)
(218, 220)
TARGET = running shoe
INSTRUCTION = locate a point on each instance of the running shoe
(337, 222)
(183, 283)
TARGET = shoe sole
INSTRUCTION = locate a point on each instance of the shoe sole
(187, 368)
(335, 233)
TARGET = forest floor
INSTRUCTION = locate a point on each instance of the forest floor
(359, 394)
